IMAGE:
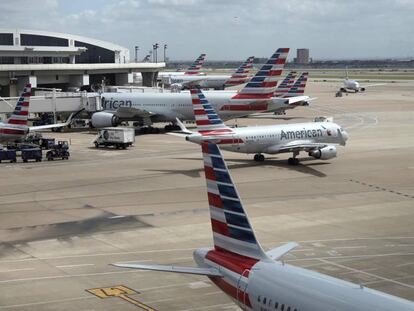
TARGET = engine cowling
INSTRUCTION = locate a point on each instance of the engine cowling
(325, 153)
(104, 119)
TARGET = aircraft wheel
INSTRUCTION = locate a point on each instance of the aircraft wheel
(261, 157)
(256, 157)
(293, 161)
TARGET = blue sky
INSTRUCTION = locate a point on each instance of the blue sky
(232, 29)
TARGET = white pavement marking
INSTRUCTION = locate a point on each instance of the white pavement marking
(351, 256)
(44, 302)
(366, 273)
(73, 266)
(15, 270)
(349, 247)
(67, 276)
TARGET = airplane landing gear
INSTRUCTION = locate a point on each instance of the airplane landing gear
(259, 157)
(293, 160)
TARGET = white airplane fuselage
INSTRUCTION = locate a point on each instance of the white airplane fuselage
(268, 285)
(204, 81)
(272, 139)
(168, 106)
(352, 85)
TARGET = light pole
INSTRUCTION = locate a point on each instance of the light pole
(165, 49)
(136, 53)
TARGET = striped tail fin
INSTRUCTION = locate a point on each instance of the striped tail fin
(241, 75)
(298, 88)
(263, 84)
(21, 111)
(196, 66)
(207, 120)
(232, 231)
(286, 84)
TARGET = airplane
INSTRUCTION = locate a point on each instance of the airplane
(217, 82)
(148, 108)
(260, 280)
(286, 84)
(15, 128)
(353, 85)
(318, 139)
(194, 69)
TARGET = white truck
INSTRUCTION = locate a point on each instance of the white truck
(119, 137)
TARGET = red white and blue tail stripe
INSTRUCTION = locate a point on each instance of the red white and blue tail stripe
(263, 84)
(21, 111)
(195, 67)
(241, 75)
(286, 84)
(232, 231)
(298, 88)
(207, 120)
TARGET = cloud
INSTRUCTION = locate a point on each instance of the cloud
(229, 29)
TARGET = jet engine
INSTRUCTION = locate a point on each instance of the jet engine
(104, 119)
(325, 153)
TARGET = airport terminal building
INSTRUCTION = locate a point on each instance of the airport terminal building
(48, 59)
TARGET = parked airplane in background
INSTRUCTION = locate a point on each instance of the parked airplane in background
(15, 128)
(194, 69)
(353, 85)
(316, 138)
(217, 82)
(255, 279)
(286, 84)
(148, 108)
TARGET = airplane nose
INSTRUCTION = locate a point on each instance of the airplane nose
(345, 135)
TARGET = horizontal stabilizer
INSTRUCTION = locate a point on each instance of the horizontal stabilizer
(170, 268)
(280, 251)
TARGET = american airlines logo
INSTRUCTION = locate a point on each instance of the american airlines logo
(301, 134)
(111, 104)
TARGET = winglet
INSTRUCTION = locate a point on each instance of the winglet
(278, 252)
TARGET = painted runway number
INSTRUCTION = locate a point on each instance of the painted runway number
(121, 292)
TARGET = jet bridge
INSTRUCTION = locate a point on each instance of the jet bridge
(55, 102)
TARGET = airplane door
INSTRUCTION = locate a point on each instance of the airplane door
(241, 290)
(235, 143)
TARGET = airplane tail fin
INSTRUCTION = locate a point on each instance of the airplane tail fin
(21, 111)
(207, 120)
(298, 88)
(232, 231)
(286, 84)
(196, 65)
(241, 75)
(263, 84)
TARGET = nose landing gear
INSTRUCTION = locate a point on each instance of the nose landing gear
(293, 160)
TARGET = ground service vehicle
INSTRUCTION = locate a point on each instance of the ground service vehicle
(32, 154)
(119, 137)
(59, 150)
(8, 155)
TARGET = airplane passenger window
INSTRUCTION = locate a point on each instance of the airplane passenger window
(264, 300)
(258, 298)
(276, 305)
(283, 307)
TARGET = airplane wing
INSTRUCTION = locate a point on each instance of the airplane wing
(370, 85)
(278, 252)
(171, 268)
(299, 145)
(50, 126)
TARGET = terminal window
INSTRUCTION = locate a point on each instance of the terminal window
(36, 40)
(6, 39)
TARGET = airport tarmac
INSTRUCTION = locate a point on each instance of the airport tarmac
(64, 222)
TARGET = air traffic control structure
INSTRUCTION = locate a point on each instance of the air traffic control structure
(56, 60)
